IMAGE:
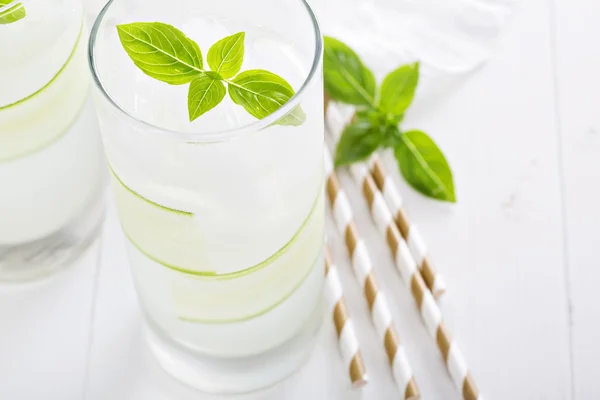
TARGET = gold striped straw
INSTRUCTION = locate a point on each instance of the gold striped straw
(393, 199)
(428, 308)
(364, 274)
(347, 341)
(409, 231)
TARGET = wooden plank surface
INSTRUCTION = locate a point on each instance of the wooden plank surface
(501, 247)
(577, 58)
(44, 334)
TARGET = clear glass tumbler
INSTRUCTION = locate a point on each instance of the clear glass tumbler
(51, 163)
(224, 216)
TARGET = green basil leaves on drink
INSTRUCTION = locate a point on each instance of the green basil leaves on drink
(378, 115)
(163, 52)
(205, 93)
(262, 93)
(12, 14)
(226, 56)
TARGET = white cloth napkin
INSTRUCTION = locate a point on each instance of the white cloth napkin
(448, 37)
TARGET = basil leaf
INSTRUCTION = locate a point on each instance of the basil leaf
(295, 118)
(378, 118)
(347, 80)
(424, 166)
(161, 51)
(391, 135)
(262, 93)
(398, 89)
(226, 56)
(13, 14)
(359, 140)
(205, 93)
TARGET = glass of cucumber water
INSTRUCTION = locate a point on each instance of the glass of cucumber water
(211, 115)
(51, 164)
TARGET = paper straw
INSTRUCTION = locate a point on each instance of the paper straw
(409, 231)
(347, 341)
(364, 274)
(393, 200)
(428, 308)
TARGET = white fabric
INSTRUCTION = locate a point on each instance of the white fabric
(448, 37)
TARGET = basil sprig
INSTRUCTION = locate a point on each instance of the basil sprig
(376, 123)
(163, 52)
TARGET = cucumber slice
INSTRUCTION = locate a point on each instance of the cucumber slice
(172, 271)
(254, 294)
(37, 121)
(170, 237)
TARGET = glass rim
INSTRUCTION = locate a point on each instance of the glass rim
(218, 135)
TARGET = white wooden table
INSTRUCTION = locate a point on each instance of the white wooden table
(518, 251)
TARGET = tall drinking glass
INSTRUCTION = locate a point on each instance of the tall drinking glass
(51, 163)
(224, 216)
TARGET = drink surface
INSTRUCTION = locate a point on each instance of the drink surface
(225, 237)
(137, 93)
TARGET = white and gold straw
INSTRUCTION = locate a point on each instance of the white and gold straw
(428, 308)
(364, 274)
(393, 200)
(409, 231)
(348, 343)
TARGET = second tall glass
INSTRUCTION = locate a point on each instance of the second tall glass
(52, 171)
(224, 216)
